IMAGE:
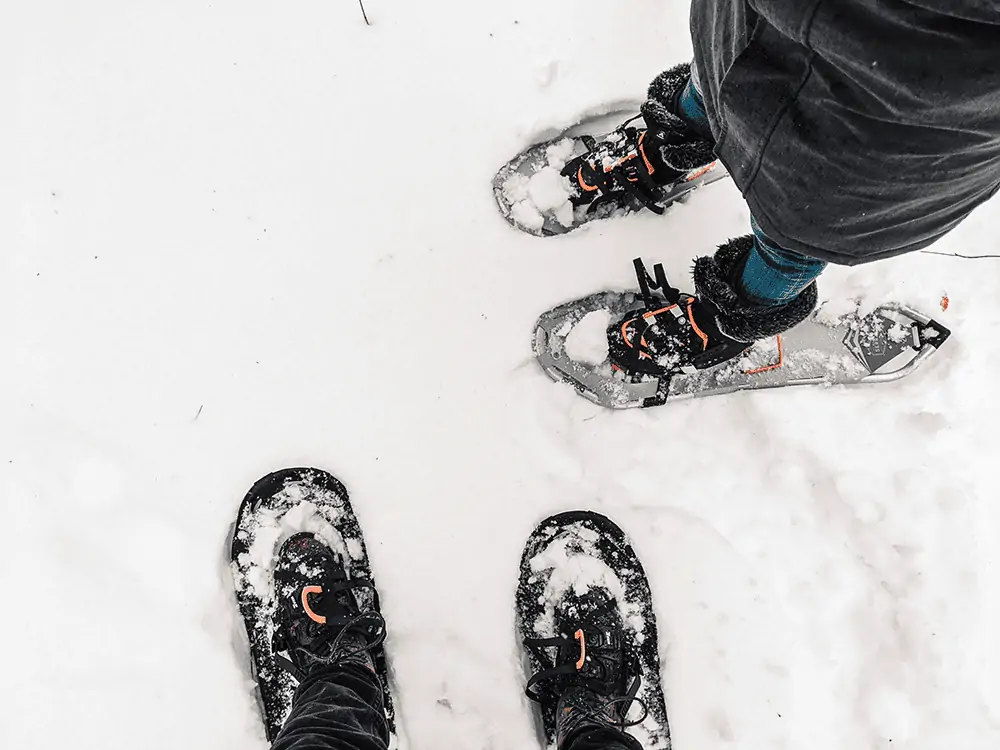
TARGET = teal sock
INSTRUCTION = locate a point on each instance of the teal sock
(773, 275)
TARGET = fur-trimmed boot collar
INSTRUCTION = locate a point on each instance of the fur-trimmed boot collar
(715, 281)
(679, 146)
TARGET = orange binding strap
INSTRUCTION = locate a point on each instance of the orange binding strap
(701, 333)
(642, 150)
(780, 362)
(625, 325)
(699, 173)
(305, 603)
(584, 185)
(583, 649)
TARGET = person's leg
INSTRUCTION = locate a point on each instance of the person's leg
(328, 629)
(336, 708)
(600, 739)
(772, 275)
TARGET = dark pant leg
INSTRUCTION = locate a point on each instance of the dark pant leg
(336, 708)
(602, 739)
(771, 274)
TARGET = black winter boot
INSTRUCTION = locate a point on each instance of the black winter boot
(318, 620)
(596, 676)
(717, 279)
(676, 332)
(636, 167)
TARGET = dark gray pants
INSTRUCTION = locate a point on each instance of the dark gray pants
(336, 708)
(855, 129)
(340, 708)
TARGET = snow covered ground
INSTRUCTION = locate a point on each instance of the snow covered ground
(238, 236)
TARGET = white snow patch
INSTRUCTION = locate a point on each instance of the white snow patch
(582, 573)
(524, 212)
(833, 311)
(587, 341)
(899, 333)
(559, 153)
(274, 528)
(544, 193)
(549, 193)
(579, 570)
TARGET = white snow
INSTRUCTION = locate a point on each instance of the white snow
(274, 528)
(587, 341)
(833, 311)
(517, 191)
(548, 192)
(579, 572)
(545, 192)
(239, 236)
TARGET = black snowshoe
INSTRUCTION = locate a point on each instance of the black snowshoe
(590, 646)
(304, 587)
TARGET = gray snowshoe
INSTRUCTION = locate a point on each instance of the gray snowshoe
(882, 346)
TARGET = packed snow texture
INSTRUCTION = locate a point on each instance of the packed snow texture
(239, 236)
(579, 571)
(273, 528)
(544, 192)
(587, 341)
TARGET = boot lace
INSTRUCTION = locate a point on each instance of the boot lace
(594, 673)
(330, 631)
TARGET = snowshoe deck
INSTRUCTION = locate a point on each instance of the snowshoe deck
(277, 506)
(595, 536)
(885, 345)
(511, 183)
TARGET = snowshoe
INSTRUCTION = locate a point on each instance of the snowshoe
(626, 349)
(558, 185)
(304, 587)
(588, 635)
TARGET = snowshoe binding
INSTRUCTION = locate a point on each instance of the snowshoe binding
(319, 620)
(556, 186)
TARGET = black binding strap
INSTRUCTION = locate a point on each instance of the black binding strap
(647, 284)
